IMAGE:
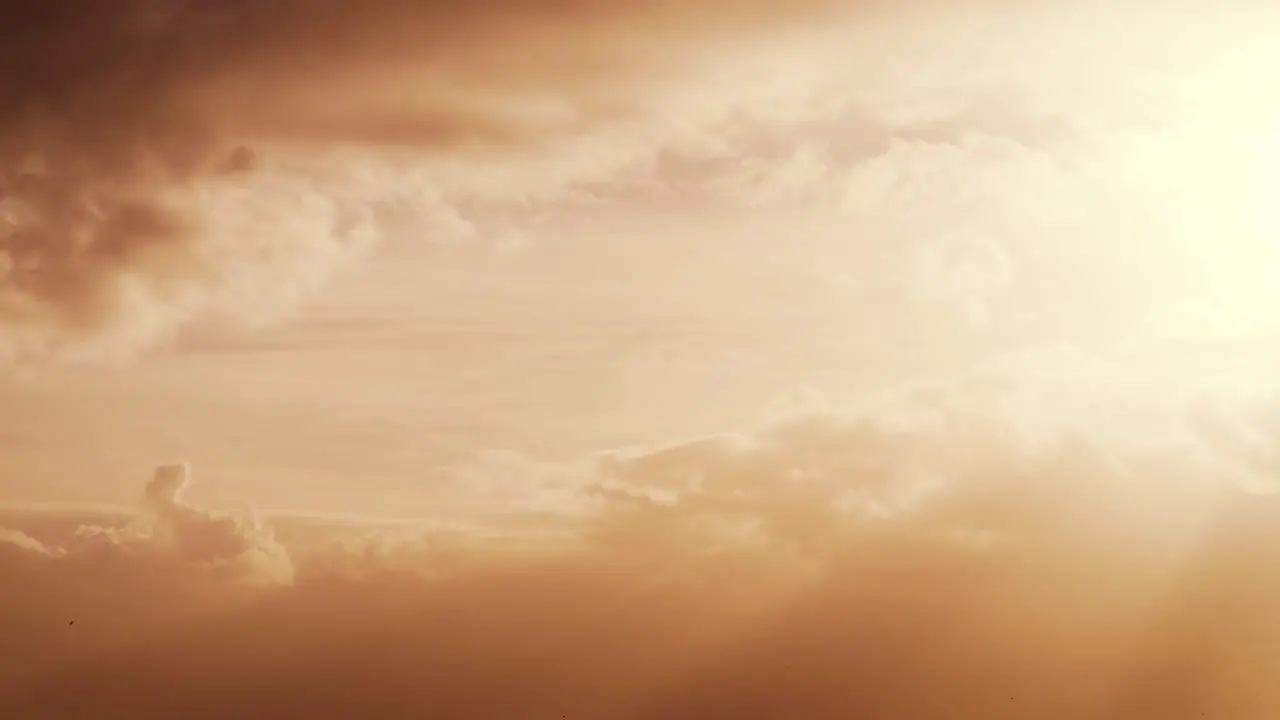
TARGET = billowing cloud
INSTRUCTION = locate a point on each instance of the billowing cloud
(164, 160)
(169, 532)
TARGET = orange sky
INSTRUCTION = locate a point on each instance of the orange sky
(758, 208)
(839, 286)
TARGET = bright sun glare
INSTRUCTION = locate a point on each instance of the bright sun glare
(1248, 244)
(1266, 188)
(1229, 151)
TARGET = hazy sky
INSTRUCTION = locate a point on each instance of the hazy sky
(594, 227)
(658, 275)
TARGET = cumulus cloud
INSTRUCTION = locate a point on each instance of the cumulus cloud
(940, 551)
(170, 533)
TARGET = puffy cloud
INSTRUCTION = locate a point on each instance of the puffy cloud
(947, 549)
(205, 538)
(169, 533)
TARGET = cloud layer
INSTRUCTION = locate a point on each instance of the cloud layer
(164, 160)
(167, 161)
(1065, 547)
(944, 552)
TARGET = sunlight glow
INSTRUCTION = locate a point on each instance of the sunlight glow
(1227, 202)
(1266, 188)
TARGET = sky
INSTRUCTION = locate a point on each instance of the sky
(771, 359)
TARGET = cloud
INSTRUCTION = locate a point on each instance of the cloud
(833, 562)
(171, 534)
(168, 161)
(164, 160)
(1008, 167)
(1059, 542)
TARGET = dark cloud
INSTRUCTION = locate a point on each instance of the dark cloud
(120, 119)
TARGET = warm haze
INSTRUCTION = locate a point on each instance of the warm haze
(640, 360)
